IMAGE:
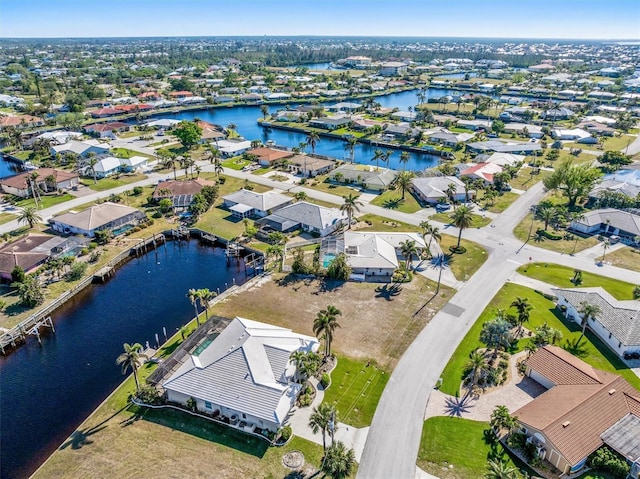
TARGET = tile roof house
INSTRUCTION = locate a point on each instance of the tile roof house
(269, 156)
(28, 252)
(308, 216)
(582, 408)
(374, 256)
(378, 179)
(20, 185)
(617, 324)
(181, 192)
(246, 203)
(433, 189)
(111, 216)
(245, 374)
(106, 130)
(609, 221)
(310, 166)
(482, 171)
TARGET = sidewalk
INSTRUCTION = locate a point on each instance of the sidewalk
(351, 436)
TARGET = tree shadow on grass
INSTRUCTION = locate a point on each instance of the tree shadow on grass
(393, 203)
(207, 430)
(388, 291)
(329, 285)
(577, 347)
(80, 437)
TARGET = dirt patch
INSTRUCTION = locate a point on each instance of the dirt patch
(378, 321)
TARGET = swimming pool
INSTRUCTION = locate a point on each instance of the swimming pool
(122, 230)
(328, 258)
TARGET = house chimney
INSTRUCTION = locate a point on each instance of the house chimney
(566, 423)
(611, 391)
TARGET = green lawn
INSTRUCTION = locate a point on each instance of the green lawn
(111, 182)
(464, 265)
(597, 475)
(591, 350)
(500, 203)
(46, 201)
(461, 443)
(477, 222)
(526, 180)
(6, 217)
(382, 224)
(392, 199)
(236, 163)
(356, 387)
(569, 246)
(561, 276)
(612, 143)
(319, 183)
(626, 257)
(127, 153)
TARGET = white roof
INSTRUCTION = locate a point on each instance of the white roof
(435, 187)
(376, 250)
(78, 147)
(259, 201)
(134, 161)
(246, 368)
(108, 163)
(163, 123)
(503, 159)
(230, 146)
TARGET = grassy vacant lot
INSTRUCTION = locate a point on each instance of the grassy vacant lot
(561, 276)
(500, 203)
(591, 349)
(461, 443)
(377, 322)
(356, 387)
(392, 200)
(127, 153)
(119, 441)
(382, 224)
(578, 243)
(477, 222)
(6, 217)
(526, 180)
(464, 265)
(626, 257)
(46, 201)
(111, 182)
(319, 183)
(236, 163)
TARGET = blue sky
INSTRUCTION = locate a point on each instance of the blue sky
(597, 19)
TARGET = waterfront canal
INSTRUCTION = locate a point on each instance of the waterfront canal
(48, 390)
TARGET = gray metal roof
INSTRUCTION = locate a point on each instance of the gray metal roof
(259, 201)
(310, 215)
(620, 318)
(622, 220)
(624, 437)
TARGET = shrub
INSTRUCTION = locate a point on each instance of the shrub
(305, 400)
(137, 190)
(325, 380)
(77, 271)
(549, 235)
(285, 433)
(605, 459)
(84, 251)
(157, 214)
(149, 395)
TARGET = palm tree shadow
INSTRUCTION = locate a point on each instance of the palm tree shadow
(328, 285)
(388, 291)
(575, 347)
(458, 406)
(80, 437)
(393, 203)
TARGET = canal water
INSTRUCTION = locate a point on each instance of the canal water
(47, 391)
(245, 118)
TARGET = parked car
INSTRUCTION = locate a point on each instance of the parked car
(440, 207)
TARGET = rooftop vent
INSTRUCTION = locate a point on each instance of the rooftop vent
(611, 391)
(566, 423)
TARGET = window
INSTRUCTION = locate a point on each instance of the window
(244, 416)
(208, 405)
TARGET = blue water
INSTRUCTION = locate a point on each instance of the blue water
(245, 118)
(8, 168)
(315, 66)
(328, 258)
(457, 76)
(46, 392)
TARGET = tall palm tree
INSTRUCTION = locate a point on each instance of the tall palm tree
(169, 160)
(192, 294)
(477, 364)
(587, 311)
(605, 245)
(29, 215)
(450, 192)
(404, 181)
(339, 461)
(377, 156)
(350, 206)
(298, 359)
(434, 234)
(462, 218)
(325, 324)
(441, 262)
(312, 140)
(523, 307)
(404, 159)
(130, 358)
(385, 156)
(204, 296)
(320, 419)
(350, 146)
(408, 249)
(264, 109)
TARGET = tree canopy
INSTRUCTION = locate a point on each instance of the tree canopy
(573, 181)
(188, 133)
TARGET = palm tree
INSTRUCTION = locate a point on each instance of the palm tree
(350, 206)
(377, 156)
(192, 294)
(204, 296)
(404, 181)
(502, 419)
(168, 160)
(350, 146)
(320, 419)
(462, 218)
(301, 196)
(523, 307)
(477, 364)
(264, 109)
(441, 262)
(605, 245)
(404, 159)
(409, 249)
(325, 324)
(130, 358)
(298, 359)
(546, 214)
(500, 470)
(587, 311)
(277, 251)
(93, 161)
(312, 140)
(339, 461)
(29, 215)
(434, 234)
(231, 128)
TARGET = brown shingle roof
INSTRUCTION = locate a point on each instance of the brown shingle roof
(269, 154)
(574, 414)
(27, 252)
(185, 187)
(20, 181)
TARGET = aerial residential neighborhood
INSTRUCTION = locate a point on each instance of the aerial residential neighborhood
(261, 251)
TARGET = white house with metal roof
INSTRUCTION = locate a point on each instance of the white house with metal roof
(617, 324)
(307, 216)
(245, 375)
(246, 203)
(609, 221)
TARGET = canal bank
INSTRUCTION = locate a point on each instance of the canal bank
(48, 390)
